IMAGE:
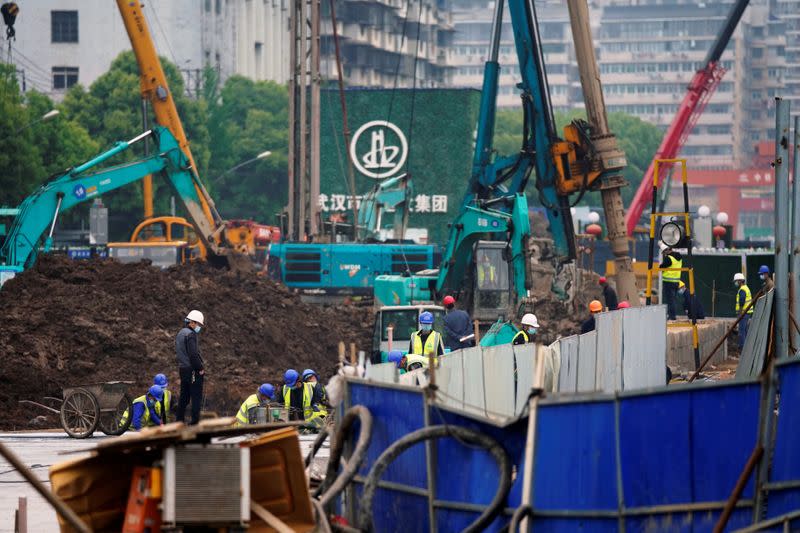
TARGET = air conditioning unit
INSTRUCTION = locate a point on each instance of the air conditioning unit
(206, 485)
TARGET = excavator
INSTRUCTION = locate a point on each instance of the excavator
(245, 237)
(486, 263)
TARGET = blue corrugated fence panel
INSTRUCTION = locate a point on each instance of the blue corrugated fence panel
(655, 449)
(693, 522)
(786, 459)
(398, 512)
(724, 432)
(388, 425)
(454, 520)
(577, 525)
(575, 457)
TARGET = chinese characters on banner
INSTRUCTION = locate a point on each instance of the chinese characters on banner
(421, 203)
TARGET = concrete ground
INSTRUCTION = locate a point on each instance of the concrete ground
(39, 450)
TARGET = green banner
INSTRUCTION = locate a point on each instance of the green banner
(427, 134)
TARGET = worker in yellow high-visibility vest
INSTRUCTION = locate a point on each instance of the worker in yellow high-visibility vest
(487, 273)
(743, 299)
(265, 394)
(672, 262)
(426, 341)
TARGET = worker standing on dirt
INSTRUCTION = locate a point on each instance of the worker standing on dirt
(426, 341)
(609, 294)
(766, 278)
(301, 399)
(594, 307)
(457, 326)
(147, 409)
(166, 402)
(692, 305)
(310, 376)
(743, 299)
(527, 333)
(261, 398)
(190, 366)
(672, 262)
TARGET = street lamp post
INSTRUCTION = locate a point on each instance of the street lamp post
(44, 118)
(262, 155)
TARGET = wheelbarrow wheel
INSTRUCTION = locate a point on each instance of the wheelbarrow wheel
(80, 414)
(115, 422)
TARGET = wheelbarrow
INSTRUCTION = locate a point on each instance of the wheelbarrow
(85, 408)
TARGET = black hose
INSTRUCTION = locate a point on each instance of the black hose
(519, 514)
(323, 434)
(334, 482)
(462, 435)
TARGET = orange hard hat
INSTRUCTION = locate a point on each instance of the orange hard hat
(448, 300)
(623, 305)
(595, 306)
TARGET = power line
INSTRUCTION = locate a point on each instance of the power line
(164, 35)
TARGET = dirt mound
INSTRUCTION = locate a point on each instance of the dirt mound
(72, 322)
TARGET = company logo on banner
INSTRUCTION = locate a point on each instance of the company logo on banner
(382, 152)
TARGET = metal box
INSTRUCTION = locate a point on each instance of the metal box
(206, 485)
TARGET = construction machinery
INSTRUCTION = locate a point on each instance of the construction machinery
(33, 227)
(700, 89)
(486, 263)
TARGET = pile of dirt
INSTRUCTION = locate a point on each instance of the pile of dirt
(68, 323)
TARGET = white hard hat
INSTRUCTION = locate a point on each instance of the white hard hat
(738, 277)
(196, 316)
(529, 319)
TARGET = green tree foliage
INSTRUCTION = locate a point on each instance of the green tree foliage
(637, 138)
(249, 118)
(110, 110)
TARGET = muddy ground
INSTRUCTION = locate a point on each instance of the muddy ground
(67, 323)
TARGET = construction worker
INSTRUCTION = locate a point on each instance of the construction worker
(673, 262)
(166, 403)
(767, 283)
(309, 376)
(147, 409)
(487, 273)
(264, 395)
(692, 305)
(190, 366)
(426, 341)
(743, 299)
(594, 307)
(396, 357)
(624, 305)
(609, 294)
(527, 333)
(301, 399)
(457, 326)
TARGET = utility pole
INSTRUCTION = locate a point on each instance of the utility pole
(605, 143)
(304, 114)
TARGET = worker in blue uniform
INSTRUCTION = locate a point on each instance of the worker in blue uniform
(146, 409)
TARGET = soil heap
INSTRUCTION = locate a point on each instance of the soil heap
(68, 323)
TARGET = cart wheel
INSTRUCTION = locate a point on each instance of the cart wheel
(115, 422)
(80, 414)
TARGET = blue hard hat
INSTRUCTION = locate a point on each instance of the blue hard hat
(290, 377)
(267, 390)
(308, 372)
(426, 318)
(160, 380)
(395, 356)
(156, 392)
(763, 269)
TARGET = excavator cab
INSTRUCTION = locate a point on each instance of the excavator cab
(491, 293)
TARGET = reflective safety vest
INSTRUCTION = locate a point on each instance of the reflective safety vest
(421, 361)
(486, 273)
(146, 416)
(748, 297)
(309, 412)
(167, 404)
(673, 274)
(431, 343)
(524, 336)
(242, 417)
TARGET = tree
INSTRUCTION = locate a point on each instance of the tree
(637, 138)
(250, 118)
(111, 111)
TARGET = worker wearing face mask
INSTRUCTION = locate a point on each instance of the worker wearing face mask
(424, 342)
(766, 278)
(190, 366)
(527, 333)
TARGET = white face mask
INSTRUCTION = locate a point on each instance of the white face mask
(197, 329)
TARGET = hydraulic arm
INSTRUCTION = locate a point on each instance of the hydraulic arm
(39, 212)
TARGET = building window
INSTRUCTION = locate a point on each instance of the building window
(208, 6)
(64, 26)
(218, 7)
(64, 77)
